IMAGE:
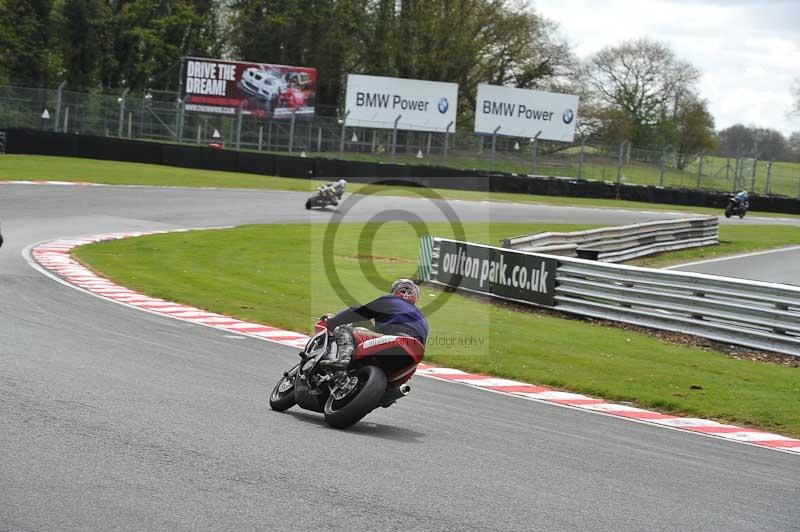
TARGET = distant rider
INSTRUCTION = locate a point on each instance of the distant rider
(743, 199)
(394, 314)
(333, 191)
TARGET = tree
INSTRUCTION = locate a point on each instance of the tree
(793, 146)
(85, 37)
(750, 141)
(26, 35)
(694, 129)
(643, 83)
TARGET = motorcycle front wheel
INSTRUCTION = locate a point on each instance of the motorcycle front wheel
(360, 401)
(282, 396)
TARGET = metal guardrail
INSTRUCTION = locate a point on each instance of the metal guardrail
(617, 244)
(754, 314)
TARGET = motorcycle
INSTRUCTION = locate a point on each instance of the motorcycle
(323, 197)
(735, 207)
(346, 390)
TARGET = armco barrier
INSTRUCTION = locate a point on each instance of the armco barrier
(618, 244)
(193, 156)
(749, 313)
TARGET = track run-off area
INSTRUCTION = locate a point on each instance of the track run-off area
(112, 418)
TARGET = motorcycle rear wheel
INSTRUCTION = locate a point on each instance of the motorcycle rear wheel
(728, 212)
(282, 396)
(345, 412)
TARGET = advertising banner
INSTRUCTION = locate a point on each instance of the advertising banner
(523, 113)
(376, 102)
(217, 86)
(497, 272)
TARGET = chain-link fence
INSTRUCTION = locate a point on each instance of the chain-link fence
(161, 116)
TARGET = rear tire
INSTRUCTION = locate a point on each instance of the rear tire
(282, 396)
(741, 214)
(309, 204)
(728, 212)
(364, 399)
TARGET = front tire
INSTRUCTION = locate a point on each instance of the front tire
(282, 396)
(366, 396)
(728, 212)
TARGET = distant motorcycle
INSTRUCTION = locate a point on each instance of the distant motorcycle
(346, 390)
(324, 196)
(735, 207)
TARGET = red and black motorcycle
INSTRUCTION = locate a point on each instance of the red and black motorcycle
(346, 390)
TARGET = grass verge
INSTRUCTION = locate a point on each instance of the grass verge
(235, 272)
(36, 167)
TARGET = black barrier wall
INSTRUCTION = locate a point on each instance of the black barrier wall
(26, 141)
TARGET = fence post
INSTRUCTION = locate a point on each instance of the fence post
(319, 139)
(58, 105)
(727, 168)
(269, 135)
(66, 119)
(199, 131)
(372, 149)
(291, 130)
(121, 120)
(580, 158)
(494, 145)
(753, 175)
(619, 161)
(768, 186)
(260, 136)
(534, 142)
(428, 150)
(447, 138)
(341, 137)
(700, 169)
(394, 135)
(239, 113)
(130, 124)
(179, 124)
(662, 166)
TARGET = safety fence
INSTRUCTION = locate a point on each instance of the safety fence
(161, 116)
(754, 314)
(618, 244)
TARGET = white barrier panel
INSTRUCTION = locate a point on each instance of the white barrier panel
(376, 102)
(523, 113)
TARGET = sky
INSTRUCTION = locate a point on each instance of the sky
(747, 50)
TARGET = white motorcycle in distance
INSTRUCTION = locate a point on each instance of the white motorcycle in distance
(325, 195)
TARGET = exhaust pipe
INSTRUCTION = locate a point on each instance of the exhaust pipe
(394, 394)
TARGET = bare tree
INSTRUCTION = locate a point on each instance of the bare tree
(640, 83)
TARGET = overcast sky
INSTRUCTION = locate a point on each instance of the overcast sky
(747, 50)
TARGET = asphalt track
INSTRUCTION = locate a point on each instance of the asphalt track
(776, 266)
(112, 419)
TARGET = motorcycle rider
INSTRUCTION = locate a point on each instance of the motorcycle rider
(743, 199)
(394, 314)
(333, 191)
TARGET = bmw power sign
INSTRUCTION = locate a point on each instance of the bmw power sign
(526, 113)
(411, 104)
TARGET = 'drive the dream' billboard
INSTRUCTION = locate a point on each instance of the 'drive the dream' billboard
(376, 102)
(217, 86)
(523, 113)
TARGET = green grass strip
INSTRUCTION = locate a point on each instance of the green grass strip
(36, 167)
(275, 274)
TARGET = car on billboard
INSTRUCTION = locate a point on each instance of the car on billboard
(300, 79)
(264, 84)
